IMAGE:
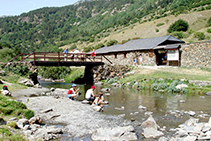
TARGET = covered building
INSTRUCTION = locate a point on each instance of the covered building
(162, 50)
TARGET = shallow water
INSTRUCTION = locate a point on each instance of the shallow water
(159, 103)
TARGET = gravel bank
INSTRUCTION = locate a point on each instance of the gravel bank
(79, 119)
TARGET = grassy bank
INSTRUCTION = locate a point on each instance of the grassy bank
(76, 72)
(159, 78)
(9, 108)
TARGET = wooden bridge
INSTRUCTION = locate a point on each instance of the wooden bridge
(61, 59)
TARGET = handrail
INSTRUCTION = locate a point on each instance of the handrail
(60, 57)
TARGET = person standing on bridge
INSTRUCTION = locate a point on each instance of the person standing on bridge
(72, 92)
(65, 54)
(93, 54)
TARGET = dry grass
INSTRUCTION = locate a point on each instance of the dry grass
(196, 20)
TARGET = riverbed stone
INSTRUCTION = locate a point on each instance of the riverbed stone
(105, 90)
(97, 108)
(117, 133)
(86, 102)
(22, 122)
(208, 93)
(142, 107)
(150, 128)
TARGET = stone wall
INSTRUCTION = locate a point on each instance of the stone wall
(196, 55)
(148, 58)
(192, 55)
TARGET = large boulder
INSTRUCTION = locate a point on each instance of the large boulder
(150, 128)
(117, 133)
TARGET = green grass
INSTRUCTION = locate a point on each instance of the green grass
(8, 136)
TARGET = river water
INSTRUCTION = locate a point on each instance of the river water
(167, 108)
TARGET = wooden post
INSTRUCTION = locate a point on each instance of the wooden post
(34, 58)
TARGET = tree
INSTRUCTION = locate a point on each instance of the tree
(179, 25)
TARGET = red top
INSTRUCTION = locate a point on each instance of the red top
(69, 91)
(93, 53)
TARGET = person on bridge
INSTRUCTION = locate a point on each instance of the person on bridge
(93, 54)
(72, 92)
(65, 54)
(90, 96)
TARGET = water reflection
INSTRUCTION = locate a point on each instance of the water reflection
(159, 103)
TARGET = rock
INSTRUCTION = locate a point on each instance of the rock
(2, 72)
(208, 93)
(148, 113)
(191, 122)
(122, 115)
(151, 133)
(52, 89)
(117, 133)
(150, 128)
(97, 108)
(192, 113)
(99, 83)
(105, 90)
(86, 102)
(162, 91)
(182, 101)
(22, 122)
(149, 123)
(180, 86)
(107, 94)
(190, 138)
(2, 121)
(206, 128)
(47, 110)
(181, 133)
(35, 119)
(163, 139)
(114, 85)
(122, 108)
(105, 102)
(142, 108)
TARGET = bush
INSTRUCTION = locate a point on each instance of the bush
(99, 45)
(209, 22)
(111, 42)
(160, 24)
(28, 114)
(12, 124)
(177, 34)
(179, 25)
(209, 30)
(157, 30)
(111, 80)
(199, 35)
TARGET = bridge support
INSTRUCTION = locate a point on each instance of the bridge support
(88, 75)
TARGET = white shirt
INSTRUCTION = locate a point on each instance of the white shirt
(76, 51)
(88, 93)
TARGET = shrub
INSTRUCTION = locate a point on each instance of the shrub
(99, 45)
(179, 25)
(112, 42)
(209, 22)
(28, 113)
(177, 34)
(12, 124)
(160, 24)
(209, 30)
(111, 80)
(157, 30)
(199, 35)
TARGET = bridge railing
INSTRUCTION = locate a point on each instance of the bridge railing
(58, 57)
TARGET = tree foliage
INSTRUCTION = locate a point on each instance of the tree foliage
(179, 25)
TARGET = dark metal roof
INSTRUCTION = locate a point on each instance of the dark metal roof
(139, 44)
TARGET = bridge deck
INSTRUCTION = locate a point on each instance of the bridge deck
(65, 63)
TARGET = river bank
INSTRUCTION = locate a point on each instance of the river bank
(77, 119)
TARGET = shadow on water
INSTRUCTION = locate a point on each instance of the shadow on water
(162, 105)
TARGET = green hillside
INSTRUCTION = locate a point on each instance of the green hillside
(86, 24)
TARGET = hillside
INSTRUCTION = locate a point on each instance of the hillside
(88, 23)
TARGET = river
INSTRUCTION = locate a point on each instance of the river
(168, 109)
